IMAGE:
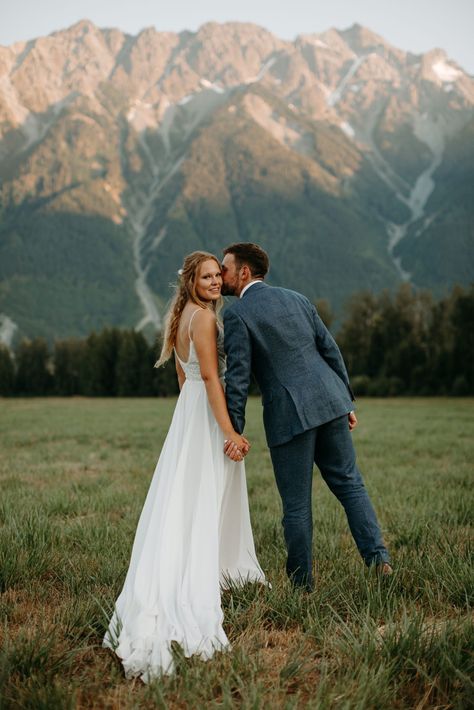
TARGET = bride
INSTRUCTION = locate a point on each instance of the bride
(194, 532)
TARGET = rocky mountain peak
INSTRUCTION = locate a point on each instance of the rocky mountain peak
(363, 41)
(437, 67)
(159, 142)
(331, 40)
(78, 30)
(361, 38)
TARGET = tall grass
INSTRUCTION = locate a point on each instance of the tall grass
(73, 476)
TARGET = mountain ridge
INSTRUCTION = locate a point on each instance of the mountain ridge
(110, 132)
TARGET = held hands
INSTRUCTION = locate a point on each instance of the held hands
(352, 420)
(236, 447)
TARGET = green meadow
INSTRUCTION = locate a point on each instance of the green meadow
(73, 477)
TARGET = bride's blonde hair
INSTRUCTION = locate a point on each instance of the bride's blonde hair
(185, 291)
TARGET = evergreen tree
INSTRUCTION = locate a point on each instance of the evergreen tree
(33, 375)
(135, 360)
(68, 356)
(7, 372)
(127, 374)
(462, 362)
(408, 344)
(355, 334)
(146, 360)
(406, 320)
(98, 371)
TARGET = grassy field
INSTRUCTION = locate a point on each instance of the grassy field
(73, 476)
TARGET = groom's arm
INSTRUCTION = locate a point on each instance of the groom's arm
(238, 349)
(329, 350)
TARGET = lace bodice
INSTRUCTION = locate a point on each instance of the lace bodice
(191, 365)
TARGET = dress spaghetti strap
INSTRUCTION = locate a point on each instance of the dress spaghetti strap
(190, 321)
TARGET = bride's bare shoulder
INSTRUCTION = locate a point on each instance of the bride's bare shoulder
(202, 322)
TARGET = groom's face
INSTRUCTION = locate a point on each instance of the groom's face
(231, 285)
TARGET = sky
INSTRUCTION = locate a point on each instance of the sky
(414, 25)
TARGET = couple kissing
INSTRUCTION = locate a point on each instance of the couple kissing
(194, 536)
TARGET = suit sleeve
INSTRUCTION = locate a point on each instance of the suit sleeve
(328, 349)
(238, 349)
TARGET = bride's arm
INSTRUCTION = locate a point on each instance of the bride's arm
(203, 331)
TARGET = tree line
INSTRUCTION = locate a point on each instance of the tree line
(393, 344)
(408, 343)
(112, 363)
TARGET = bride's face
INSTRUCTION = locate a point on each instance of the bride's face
(209, 281)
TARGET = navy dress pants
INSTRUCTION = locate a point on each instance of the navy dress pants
(330, 447)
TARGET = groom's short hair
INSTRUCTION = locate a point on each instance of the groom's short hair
(252, 256)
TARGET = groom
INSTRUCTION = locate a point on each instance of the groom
(277, 335)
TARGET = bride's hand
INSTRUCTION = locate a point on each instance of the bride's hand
(236, 446)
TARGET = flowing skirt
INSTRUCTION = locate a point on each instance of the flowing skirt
(193, 536)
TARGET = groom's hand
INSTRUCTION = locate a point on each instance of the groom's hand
(246, 446)
(234, 451)
(352, 421)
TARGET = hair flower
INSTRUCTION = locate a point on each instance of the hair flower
(180, 272)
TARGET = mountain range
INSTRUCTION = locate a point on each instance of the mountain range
(349, 160)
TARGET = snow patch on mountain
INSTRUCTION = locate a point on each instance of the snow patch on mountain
(180, 119)
(431, 130)
(114, 194)
(141, 115)
(347, 128)
(315, 41)
(286, 132)
(336, 95)
(211, 85)
(265, 67)
(446, 72)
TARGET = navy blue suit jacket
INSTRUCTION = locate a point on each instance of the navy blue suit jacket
(277, 335)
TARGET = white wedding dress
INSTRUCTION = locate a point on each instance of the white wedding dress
(193, 536)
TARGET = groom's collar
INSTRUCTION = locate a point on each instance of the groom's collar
(252, 283)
